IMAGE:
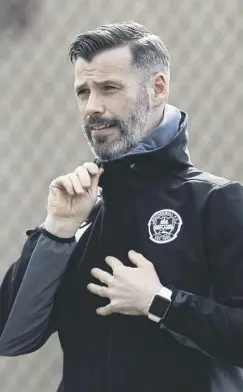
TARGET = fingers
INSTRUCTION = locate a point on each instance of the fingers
(95, 173)
(89, 175)
(138, 259)
(102, 291)
(83, 178)
(95, 180)
(105, 311)
(63, 183)
(91, 167)
(76, 183)
(113, 262)
(103, 276)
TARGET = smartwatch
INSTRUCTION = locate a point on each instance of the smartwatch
(159, 305)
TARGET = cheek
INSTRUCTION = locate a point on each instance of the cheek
(119, 106)
(81, 107)
(113, 104)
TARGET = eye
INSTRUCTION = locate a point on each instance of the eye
(84, 92)
(109, 88)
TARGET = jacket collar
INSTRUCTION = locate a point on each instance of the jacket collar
(164, 149)
(161, 136)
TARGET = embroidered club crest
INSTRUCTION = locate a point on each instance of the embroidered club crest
(164, 226)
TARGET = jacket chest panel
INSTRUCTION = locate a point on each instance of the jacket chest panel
(166, 227)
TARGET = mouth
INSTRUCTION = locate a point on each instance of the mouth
(101, 130)
(94, 127)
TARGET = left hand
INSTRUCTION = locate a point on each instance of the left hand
(129, 289)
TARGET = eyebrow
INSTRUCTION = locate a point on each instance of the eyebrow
(81, 86)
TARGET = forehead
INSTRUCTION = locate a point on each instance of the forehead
(110, 63)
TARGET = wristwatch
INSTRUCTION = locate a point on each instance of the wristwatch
(159, 305)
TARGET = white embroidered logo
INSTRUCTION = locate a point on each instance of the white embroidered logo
(164, 226)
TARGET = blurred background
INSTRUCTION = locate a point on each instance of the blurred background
(40, 134)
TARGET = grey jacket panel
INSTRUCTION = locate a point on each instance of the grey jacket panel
(226, 378)
(29, 321)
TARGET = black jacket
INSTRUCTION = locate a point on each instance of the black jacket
(190, 225)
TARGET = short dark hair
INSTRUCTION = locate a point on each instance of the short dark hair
(149, 53)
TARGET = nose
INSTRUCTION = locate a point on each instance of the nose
(94, 106)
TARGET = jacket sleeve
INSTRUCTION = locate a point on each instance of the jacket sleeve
(27, 293)
(215, 325)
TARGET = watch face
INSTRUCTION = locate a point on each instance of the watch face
(159, 306)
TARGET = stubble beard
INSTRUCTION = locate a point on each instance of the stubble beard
(132, 131)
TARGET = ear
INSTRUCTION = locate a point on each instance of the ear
(159, 89)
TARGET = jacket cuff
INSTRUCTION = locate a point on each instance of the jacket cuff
(55, 238)
(177, 315)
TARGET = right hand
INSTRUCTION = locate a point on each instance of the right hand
(71, 199)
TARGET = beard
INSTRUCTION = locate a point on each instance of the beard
(131, 130)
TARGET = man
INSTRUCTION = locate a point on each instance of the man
(151, 296)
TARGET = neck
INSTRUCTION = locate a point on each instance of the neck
(156, 120)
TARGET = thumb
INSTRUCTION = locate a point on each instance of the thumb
(95, 180)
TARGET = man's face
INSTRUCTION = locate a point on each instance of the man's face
(113, 102)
